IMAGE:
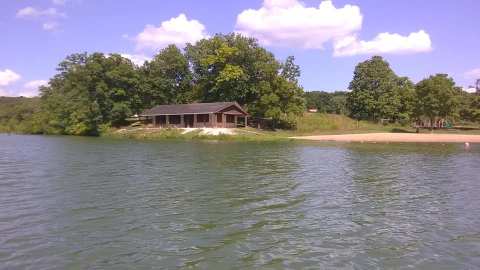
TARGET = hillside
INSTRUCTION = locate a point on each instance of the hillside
(17, 114)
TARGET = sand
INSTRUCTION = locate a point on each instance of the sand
(395, 137)
(210, 131)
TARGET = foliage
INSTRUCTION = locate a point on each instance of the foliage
(20, 114)
(88, 91)
(378, 93)
(166, 79)
(91, 92)
(436, 96)
(469, 107)
(94, 93)
(327, 102)
(233, 67)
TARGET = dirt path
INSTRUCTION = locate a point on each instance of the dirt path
(395, 137)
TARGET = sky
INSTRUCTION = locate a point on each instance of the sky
(327, 38)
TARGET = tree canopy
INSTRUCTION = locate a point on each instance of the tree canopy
(378, 93)
(92, 91)
(436, 96)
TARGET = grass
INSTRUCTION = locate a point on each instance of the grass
(309, 124)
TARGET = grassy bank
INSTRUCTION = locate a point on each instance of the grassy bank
(244, 134)
(309, 124)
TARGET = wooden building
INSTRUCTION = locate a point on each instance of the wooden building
(198, 115)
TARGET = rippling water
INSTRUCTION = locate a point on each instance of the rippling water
(78, 203)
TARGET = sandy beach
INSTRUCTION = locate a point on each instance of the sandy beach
(395, 137)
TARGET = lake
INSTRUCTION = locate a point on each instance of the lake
(95, 203)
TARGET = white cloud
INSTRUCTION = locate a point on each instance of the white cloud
(8, 76)
(137, 59)
(59, 2)
(473, 74)
(178, 31)
(31, 12)
(384, 43)
(31, 88)
(292, 23)
(470, 89)
(50, 26)
(35, 84)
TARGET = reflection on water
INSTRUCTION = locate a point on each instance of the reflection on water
(111, 204)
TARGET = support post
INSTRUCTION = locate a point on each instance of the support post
(167, 120)
(154, 121)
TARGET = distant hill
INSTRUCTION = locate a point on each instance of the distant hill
(17, 113)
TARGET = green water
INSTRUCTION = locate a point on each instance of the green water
(92, 203)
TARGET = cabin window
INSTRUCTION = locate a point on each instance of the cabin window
(202, 118)
(230, 118)
(174, 119)
(219, 118)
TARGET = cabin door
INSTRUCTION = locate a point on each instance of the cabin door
(188, 120)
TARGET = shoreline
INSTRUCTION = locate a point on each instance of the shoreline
(372, 137)
(394, 137)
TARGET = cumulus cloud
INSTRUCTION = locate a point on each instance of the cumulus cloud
(50, 26)
(292, 23)
(384, 43)
(137, 59)
(35, 84)
(470, 89)
(31, 12)
(179, 31)
(473, 74)
(59, 2)
(31, 88)
(8, 76)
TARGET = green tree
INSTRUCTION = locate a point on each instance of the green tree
(90, 91)
(166, 79)
(327, 102)
(436, 97)
(377, 92)
(235, 68)
(290, 70)
(469, 105)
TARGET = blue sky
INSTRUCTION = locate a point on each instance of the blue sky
(327, 38)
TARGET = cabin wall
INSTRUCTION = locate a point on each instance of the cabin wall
(178, 121)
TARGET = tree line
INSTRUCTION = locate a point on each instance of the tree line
(377, 93)
(91, 92)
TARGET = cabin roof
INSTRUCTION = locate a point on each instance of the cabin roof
(192, 108)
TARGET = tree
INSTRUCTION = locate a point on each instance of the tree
(89, 91)
(377, 92)
(436, 97)
(469, 104)
(327, 102)
(290, 70)
(166, 79)
(235, 68)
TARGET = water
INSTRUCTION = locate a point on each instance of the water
(91, 203)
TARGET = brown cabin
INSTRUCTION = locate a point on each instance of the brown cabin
(198, 115)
